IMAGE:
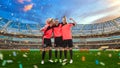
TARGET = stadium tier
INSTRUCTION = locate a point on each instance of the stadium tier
(19, 35)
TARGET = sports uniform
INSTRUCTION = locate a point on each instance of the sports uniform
(57, 31)
(67, 40)
(47, 30)
(67, 35)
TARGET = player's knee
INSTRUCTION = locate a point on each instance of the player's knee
(70, 48)
(61, 48)
(56, 48)
(44, 49)
(65, 48)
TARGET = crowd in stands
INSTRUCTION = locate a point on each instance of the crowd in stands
(7, 44)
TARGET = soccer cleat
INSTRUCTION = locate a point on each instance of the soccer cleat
(71, 61)
(60, 60)
(64, 60)
(42, 62)
(64, 63)
(50, 61)
(56, 60)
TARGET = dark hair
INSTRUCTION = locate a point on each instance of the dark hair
(64, 16)
(56, 18)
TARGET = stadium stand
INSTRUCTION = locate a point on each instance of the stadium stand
(16, 35)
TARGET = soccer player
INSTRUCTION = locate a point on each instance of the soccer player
(57, 31)
(67, 37)
(47, 30)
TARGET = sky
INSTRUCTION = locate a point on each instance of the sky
(82, 11)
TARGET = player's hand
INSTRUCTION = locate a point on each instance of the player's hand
(71, 18)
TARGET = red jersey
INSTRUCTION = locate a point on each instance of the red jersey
(47, 32)
(57, 30)
(66, 31)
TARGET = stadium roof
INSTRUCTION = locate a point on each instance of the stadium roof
(84, 29)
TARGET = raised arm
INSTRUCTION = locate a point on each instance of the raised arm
(74, 22)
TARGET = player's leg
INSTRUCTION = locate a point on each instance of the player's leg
(43, 51)
(56, 48)
(60, 50)
(43, 55)
(71, 55)
(65, 56)
(56, 54)
(50, 50)
(70, 45)
(58, 43)
(50, 55)
(65, 50)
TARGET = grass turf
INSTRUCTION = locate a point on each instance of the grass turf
(34, 58)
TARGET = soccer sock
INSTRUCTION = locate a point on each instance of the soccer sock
(60, 54)
(50, 54)
(43, 55)
(65, 53)
(56, 53)
(71, 54)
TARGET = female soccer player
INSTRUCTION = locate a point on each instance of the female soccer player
(47, 30)
(67, 37)
(57, 31)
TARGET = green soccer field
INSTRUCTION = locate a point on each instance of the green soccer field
(32, 59)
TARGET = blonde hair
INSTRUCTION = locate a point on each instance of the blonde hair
(48, 21)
